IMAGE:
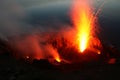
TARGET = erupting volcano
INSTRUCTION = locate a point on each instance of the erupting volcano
(84, 22)
(78, 43)
(59, 39)
(64, 46)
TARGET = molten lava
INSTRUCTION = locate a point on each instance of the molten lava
(60, 46)
(83, 21)
(58, 59)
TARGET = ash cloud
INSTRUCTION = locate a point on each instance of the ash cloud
(25, 36)
(12, 18)
(16, 20)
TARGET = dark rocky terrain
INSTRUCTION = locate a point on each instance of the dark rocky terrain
(13, 69)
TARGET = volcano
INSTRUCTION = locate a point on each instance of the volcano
(76, 52)
(77, 45)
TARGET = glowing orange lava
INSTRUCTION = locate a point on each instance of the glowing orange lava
(82, 18)
(58, 59)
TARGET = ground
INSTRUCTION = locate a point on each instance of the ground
(13, 69)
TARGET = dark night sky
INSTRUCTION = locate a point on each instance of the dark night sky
(21, 16)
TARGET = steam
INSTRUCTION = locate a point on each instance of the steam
(30, 41)
(34, 46)
(12, 18)
(13, 24)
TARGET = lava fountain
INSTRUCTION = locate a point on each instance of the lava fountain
(84, 23)
(61, 47)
